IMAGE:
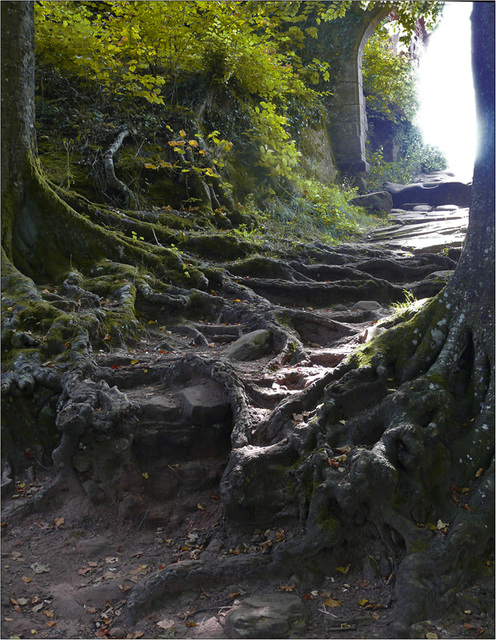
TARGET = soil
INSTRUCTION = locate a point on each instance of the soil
(67, 575)
(67, 571)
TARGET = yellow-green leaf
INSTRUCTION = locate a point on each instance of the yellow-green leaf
(331, 603)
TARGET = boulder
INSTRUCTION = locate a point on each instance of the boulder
(431, 193)
(274, 616)
(251, 346)
(376, 202)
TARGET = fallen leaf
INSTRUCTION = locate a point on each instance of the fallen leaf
(135, 634)
(92, 563)
(137, 554)
(467, 611)
(21, 601)
(83, 571)
(469, 626)
(346, 449)
(26, 579)
(288, 587)
(8, 619)
(124, 587)
(362, 583)
(165, 623)
(34, 632)
(91, 609)
(430, 635)
(49, 613)
(343, 569)
(198, 506)
(363, 602)
(331, 603)
(50, 623)
(190, 623)
(58, 522)
(15, 555)
(440, 526)
(111, 560)
(134, 361)
(479, 472)
(234, 595)
(37, 567)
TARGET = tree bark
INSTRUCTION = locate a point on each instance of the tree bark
(18, 110)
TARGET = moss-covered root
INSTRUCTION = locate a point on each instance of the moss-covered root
(85, 406)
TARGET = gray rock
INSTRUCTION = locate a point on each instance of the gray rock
(431, 193)
(447, 207)
(367, 305)
(93, 546)
(423, 208)
(275, 616)
(251, 346)
(376, 202)
(204, 404)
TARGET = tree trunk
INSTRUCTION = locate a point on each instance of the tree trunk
(18, 112)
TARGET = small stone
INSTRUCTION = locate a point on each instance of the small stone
(367, 305)
(117, 632)
(251, 346)
(277, 616)
(93, 546)
(447, 207)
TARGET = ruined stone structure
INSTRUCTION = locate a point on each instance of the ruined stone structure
(347, 117)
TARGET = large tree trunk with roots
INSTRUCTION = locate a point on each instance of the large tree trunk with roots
(377, 449)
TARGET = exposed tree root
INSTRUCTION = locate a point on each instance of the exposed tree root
(328, 447)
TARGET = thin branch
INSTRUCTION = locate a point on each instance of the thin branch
(108, 162)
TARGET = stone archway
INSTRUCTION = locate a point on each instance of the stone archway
(347, 116)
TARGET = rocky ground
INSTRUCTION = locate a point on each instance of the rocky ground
(68, 572)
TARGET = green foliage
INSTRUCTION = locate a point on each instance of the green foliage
(277, 152)
(406, 13)
(389, 79)
(408, 301)
(416, 158)
(146, 50)
(312, 210)
(244, 76)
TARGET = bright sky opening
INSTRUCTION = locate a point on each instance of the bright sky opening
(447, 115)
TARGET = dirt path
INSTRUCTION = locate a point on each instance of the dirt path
(68, 571)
